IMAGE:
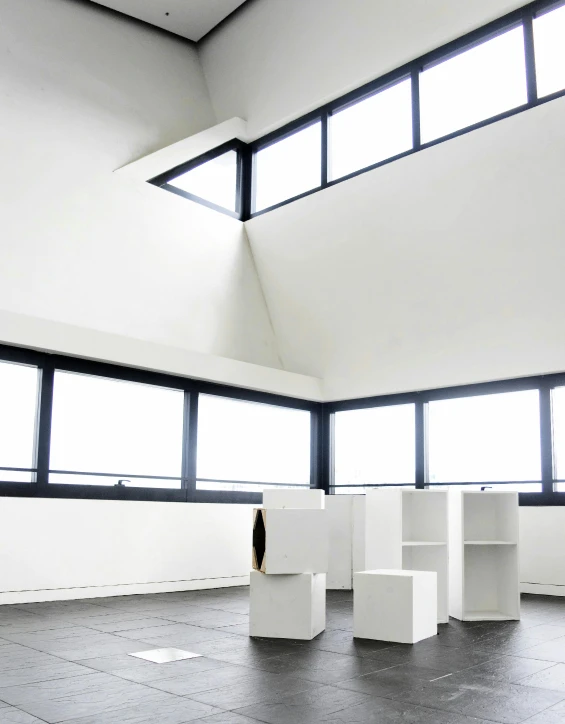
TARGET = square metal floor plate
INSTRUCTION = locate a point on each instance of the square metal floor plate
(164, 656)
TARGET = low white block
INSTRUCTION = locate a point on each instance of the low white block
(296, 541)
(287, 607)
(394, 605)
(294, 498)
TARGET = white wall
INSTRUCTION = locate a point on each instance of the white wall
(542, 550)
(277, 59)
(443, 268)
(83, 92)
(65, 549)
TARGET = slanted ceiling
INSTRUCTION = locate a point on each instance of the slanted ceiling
(191, 19)
(445, 267)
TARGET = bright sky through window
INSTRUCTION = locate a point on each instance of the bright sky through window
(475, 85)
(375, 446)
(251, 442)
(372, 130)
(109, 426)
(214, 181)
(549, 40)
(18, 404)
(485, 439)
(289, 167)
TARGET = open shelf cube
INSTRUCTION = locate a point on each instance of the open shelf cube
(490, 590)
(483, 556)
(490, 517)
(407, 530)
(424, 517)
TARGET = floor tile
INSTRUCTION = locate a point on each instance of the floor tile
(550, 678)
(553, 715)
(63, 699)
(266, 687)
(499, 701)
(174, 710)
(11, 715)
(56, 669)
(183, 685)
(321, 666)
(227, 717)
(123, 622)
(304, 707)
(548, 651)
(141, 671)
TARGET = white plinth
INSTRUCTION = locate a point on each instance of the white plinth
(287, 607)
(395, 605)
(295, 541)
(483, 555)
(294, 498)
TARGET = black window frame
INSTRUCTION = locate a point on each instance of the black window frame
(322, 416)
(163, 180)
(523, 16)
(543, 383)
(278, 136)
(48, 363)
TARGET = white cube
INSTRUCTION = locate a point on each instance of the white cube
(287, 607)
(307, 499)
(394, 605)
(290, 541)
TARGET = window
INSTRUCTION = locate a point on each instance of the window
(375, 446)
(214, 181)
(549, 42)
(119, 429)
(247, 442)
(18, 411)
(486, 439)
(473, 86)
(289, 167)
(372, 130)
(558, 413)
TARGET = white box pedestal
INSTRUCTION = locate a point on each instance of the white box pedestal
(287, 606)
(290, 541)
(395, 605)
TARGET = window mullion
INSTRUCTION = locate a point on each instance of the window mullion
(190, 442)
(546, 439)
(420, 431)
(529, 49)
(416, 134)
(45, 410)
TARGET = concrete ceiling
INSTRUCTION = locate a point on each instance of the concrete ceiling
(191, 19)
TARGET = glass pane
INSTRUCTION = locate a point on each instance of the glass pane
(375, 446)
(549, 40)
(289, 167)
(475, 85)
(250, 442)
(372, 130)
(214, 181)
(18, 407)
(120, 428)
(485, 439)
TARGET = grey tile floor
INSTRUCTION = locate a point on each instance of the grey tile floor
(68, 662)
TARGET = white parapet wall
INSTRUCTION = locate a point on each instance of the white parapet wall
(68, 549)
